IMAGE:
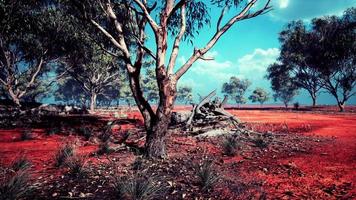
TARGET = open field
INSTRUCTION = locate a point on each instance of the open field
(310, 155)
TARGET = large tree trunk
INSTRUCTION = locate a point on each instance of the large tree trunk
(93, 101)
(156, 135)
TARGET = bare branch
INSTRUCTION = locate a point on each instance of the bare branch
(240, 16)
(147, 15)
(107, 34)
(177, 40)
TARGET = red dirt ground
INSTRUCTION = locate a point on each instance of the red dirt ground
(332, 165)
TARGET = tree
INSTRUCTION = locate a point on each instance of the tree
(236, 89)
(185, 94)
(124, 24)
(283, 86)
(259, 95)
(296, 59)
(70, 91)
(95, 71)
(335, 53)
(31, 40)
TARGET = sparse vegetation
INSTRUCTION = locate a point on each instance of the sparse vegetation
(137, 164)
(77, 165)
(86, 132)
(260, 142)
(138, 187)
(14, 185)
(296, 106)
(27, 134)
(52, 131)
(64, 152)
(20, 163)
(104, 148)
(207, 176)
(230, 146)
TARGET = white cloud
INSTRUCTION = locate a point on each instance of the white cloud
(254, 65)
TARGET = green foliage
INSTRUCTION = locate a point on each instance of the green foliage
(86, 132)
(185, 94)
(236, 89)
(259, 95)
(207, 176)
(150, 87)
(63, 153)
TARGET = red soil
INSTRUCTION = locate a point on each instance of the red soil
(332, 164)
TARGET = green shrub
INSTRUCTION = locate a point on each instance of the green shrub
(52, 131)
(260, 142)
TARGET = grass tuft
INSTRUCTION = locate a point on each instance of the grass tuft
(14, 185)
(21, 163)
(86, 132)
(138, 187)
(77, 166)
(64, 152)
(229, 146)
(104, 148)
(207, 176)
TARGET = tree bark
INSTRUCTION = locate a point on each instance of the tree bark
(15, 99)
(314, 100)
(93, 101)
(156, 135)
(341, 106)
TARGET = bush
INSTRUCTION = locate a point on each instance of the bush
(104, 148)
(260, 142)
(77, 166)
(14, 185)
(138, 187)
(26, 135)
(206, 175)
(229, 146)
(52, 131)
(86, 132)
(296, 105)
(63, 153)
(20, 163)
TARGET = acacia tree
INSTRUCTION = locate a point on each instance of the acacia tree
(296, 59)
(185, 94)
(259, 95)
(236, 89)
(125, 22)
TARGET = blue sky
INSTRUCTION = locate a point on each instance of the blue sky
(250, 46)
